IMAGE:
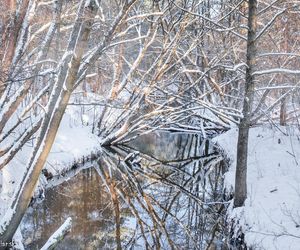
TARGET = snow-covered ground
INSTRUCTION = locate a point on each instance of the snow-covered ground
(73, 141)
(270, 218)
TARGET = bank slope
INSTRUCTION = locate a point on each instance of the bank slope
(270, 218)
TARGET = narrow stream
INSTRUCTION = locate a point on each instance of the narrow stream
(163, 190)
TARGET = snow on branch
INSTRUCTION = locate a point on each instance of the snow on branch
(58, 235)
(269, 24)
(127, 41)
(279, 54)
(212, 21)
(276, 71)
(278, 87)
(144, 16)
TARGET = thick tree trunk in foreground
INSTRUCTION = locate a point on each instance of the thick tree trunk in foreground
(242, 145)
(58, 102)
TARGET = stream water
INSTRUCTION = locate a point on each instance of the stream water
(163, 190)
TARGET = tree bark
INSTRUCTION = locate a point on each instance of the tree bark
(242, 145)
(50, 123)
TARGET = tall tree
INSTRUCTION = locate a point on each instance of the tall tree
(240, 194)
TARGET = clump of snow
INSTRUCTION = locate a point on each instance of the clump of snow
(270, 218)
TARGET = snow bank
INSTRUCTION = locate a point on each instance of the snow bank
(271, 216)
(72, 142)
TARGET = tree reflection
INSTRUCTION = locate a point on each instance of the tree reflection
(140, 197)
(178, 202)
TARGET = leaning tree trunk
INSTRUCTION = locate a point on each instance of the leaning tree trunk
(57, 105)
(242, 145)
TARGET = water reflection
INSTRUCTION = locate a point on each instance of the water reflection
(83, 198)
(162, 191)
(166, 146)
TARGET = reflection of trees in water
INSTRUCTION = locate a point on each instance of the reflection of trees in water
(178, 203)
(152, 199)
(85, 200)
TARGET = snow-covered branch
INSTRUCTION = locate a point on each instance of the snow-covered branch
(58, 236)
(276, 71)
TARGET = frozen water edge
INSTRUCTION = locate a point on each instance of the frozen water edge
(270, 218)
(73, 142)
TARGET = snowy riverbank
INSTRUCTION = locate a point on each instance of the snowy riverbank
(72, 142)
(271, 216)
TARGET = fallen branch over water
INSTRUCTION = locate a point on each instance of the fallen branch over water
(58, 235)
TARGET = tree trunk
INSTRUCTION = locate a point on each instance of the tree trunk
(242, 145)
(283, 113)
(56, 108)
(285, 45)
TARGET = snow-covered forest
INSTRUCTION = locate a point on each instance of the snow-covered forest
(149, 124)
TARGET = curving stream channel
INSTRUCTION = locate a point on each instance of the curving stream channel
(162, 191)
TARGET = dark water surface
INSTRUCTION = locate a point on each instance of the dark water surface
(169, 195)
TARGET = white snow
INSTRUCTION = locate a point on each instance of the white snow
(73, 141)
(270, 218)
